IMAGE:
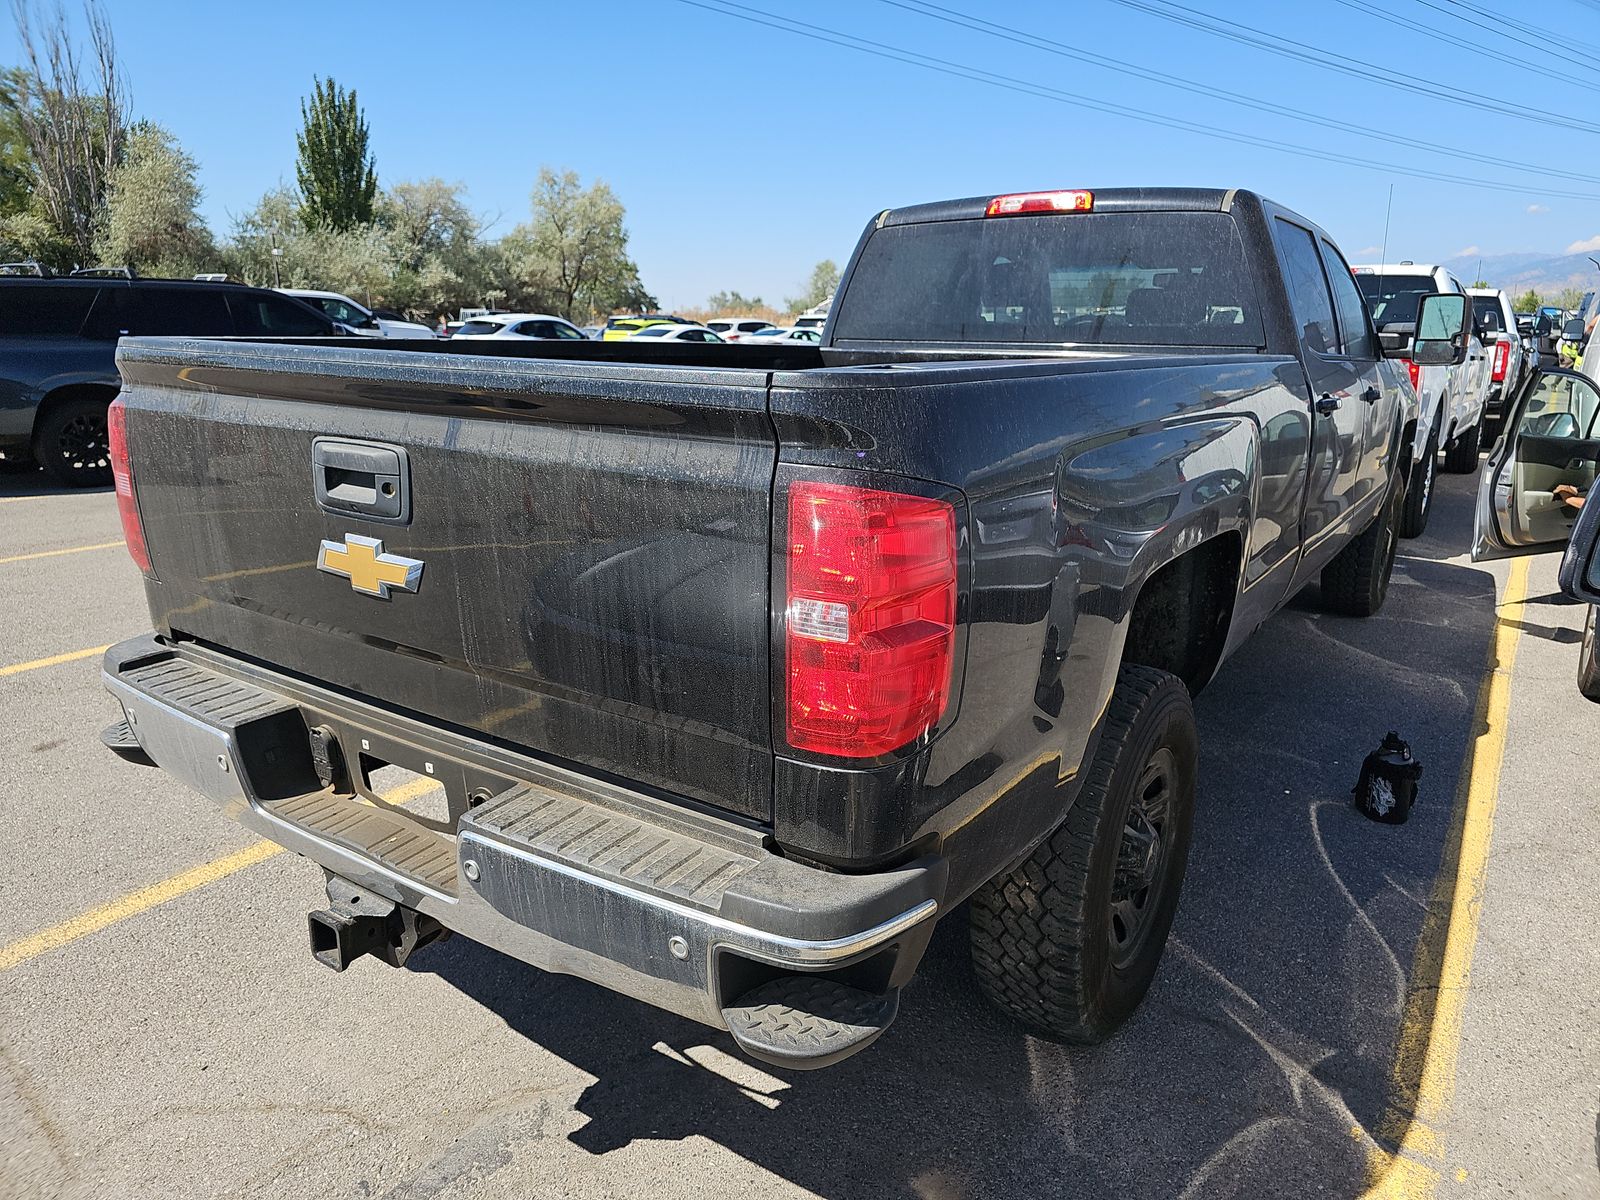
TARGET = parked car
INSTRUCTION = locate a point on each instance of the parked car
(1508, 360)
(815, 317)
(1452, 398)
(733, 329)
(737, 678)
(665, 332)
(1547, 324)
(782, 334)
(518, 327)
(58, 340)
(591, 331)
(1537, 492)
(358, 318)
(617, 328)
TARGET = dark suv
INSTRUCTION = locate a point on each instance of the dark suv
(58, 341)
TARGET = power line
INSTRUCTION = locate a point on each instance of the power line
(1567, 43)
(1340, 64)
(926, 8)
(1431, 31)
(1496, 25)
(1040, 91)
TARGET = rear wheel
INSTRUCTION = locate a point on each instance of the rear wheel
(1069, 941)
(1461, 455)
(72, 444)
(1356, 582)
(1419, 491)
(1588, 660)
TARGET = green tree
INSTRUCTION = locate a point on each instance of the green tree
(1568, 298)
(822, 284)
(1483, 283)
(734, 303)
(16, 165)
(432, 235)
(72, 121)
(151, 220)
(572, 259)
(338, 179)
(1528, 302)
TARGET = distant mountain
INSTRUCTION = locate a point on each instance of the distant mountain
(1516, 273)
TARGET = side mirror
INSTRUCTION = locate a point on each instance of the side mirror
(1442, 324)
(1572, 331)
(1580, 566)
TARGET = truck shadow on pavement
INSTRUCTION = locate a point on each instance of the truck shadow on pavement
(1268, 1057)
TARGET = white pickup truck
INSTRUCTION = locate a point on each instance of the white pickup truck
(1451, 399)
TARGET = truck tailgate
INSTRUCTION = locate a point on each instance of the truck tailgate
(594, 543)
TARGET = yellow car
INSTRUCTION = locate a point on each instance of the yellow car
(617, 328)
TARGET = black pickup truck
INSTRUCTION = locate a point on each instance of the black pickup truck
(740, 666)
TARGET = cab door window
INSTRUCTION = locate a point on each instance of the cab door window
(1355, 336)
(1308, 289)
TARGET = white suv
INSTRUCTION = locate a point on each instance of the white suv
(358, 317)
(1451, 400)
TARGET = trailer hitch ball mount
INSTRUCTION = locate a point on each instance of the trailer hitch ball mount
(358, 922)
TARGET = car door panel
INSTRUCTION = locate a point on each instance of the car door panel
(1550, 439)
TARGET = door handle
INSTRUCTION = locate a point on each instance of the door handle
(1372, 395)
(1327, 403)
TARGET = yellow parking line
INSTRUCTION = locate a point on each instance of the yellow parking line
(59, 553)
(53, 660)
(145, 899)
(1423, 1079)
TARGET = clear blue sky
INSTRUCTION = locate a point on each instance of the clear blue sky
(744, 153)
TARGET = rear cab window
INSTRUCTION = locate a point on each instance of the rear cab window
(1393, 299)
(1091, 279)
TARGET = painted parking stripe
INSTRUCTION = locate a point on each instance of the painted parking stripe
(1422, 1081)
(58, 553)
(53, 661)
(143, 900)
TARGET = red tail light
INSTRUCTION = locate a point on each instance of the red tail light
(122, 472)
(1502, 359)
(870, 617)
(1416, 374)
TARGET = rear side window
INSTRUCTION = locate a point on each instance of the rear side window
(1308, 288)
(29, 310)
(1151, 279)
(262, 314)
(1354, 337)
(479, 328)
(159, 312)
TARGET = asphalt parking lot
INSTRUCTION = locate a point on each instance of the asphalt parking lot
(1344, 1006)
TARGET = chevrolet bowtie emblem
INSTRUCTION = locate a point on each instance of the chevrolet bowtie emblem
(370, 571)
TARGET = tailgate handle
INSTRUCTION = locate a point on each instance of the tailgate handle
(365, 478)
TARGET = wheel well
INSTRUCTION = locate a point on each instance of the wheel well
(70, 392)
(1180, 619)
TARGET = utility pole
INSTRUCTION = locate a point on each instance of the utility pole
(277, 253)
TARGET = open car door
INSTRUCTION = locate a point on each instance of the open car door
(1541, 473)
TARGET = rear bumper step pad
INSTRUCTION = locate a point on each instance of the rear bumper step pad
(657, 901)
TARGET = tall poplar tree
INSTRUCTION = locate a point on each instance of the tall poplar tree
(338, 179)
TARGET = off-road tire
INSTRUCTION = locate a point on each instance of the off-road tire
(1356, 582)
(1461, 455)
(1589, 658)
(72, 444)
(1045, 946)
(1420, 489)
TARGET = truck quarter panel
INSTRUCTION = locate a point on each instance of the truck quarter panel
(1080, 478)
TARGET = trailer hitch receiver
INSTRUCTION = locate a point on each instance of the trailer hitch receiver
(358, 922)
